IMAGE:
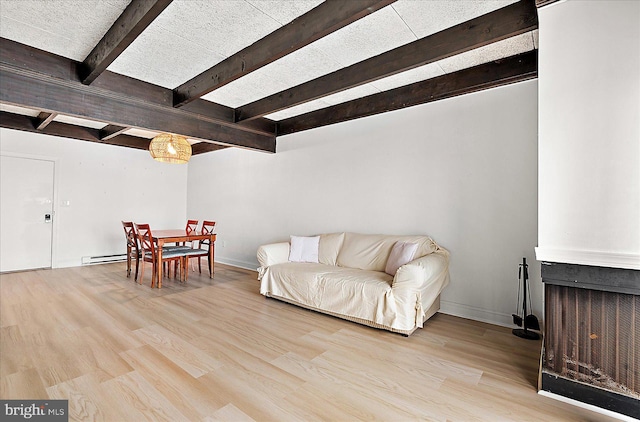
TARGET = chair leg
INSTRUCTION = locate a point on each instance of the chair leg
(185, 265)
(141, 273)
(200, 264)
(135, 277)
(154, 276)
(128, 260)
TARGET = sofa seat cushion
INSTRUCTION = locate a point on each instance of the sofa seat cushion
(345, 291)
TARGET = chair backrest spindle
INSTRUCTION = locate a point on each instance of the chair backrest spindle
(145, 238)
(130, 233)
(207, 228)
(192, 225)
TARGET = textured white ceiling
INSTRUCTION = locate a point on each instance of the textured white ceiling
(519, 44)
(190, 36)
(377, 33)
(69, 28)
(431, 16)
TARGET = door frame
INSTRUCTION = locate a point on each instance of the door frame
(56, 177)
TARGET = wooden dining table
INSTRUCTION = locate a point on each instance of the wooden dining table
(161, 237)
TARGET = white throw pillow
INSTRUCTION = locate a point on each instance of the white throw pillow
(401, 253)
(304, 249)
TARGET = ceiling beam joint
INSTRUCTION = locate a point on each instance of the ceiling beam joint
(23, 123)
(43, 119)
(111, 131)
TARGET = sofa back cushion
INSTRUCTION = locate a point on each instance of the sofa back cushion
(371, 251)
(330, 245)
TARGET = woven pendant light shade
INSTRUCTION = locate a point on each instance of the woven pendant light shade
(170, 148)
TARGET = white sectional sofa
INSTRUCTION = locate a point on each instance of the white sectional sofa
(349, 279)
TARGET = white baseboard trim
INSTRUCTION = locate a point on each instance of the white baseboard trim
(593, 258)
(67, 264)
(237, 263)
(590, 407)
(476, 314)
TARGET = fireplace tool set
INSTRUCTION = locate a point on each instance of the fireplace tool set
(529, 321)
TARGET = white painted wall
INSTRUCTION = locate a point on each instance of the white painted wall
(104, 185)
(463, 170)
(589, 146)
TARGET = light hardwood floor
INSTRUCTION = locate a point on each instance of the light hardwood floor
(218, 350)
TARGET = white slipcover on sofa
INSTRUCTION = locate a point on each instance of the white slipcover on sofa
(349, 279)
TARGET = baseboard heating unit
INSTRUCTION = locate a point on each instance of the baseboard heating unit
(102, 259)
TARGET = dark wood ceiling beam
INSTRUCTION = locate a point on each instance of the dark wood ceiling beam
(111, 131)
(24, 123)
(503, 23)
(43, 119)
(135, 19)
(204, 147)
(36, 79)
(322, 20)
(206, 108)
(500, 72)
(75, 99)
(64, 130)
(24, 57)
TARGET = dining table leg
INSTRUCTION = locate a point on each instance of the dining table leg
(159, 268)
(212, 247)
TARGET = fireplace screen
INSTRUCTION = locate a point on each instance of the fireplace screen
(593, 337)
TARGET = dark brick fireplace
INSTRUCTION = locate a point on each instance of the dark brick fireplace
(592, 335)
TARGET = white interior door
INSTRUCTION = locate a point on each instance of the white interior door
(26, 213)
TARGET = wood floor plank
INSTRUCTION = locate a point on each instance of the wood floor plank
(97, 352)
(88, 399)
(187, 394)
(228, 413)
(228, 382)
(22, 385)
(140, 400)
(11, 349)
(216, 350)
(262, 370)
(195, 362)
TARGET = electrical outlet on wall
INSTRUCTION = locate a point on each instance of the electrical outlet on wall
(224, 243)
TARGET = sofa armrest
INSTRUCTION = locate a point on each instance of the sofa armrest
(274, 253)
(421, 281)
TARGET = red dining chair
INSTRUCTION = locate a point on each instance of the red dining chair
(202, 249)
(148, 253)
(191, 226)
(133, 250)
